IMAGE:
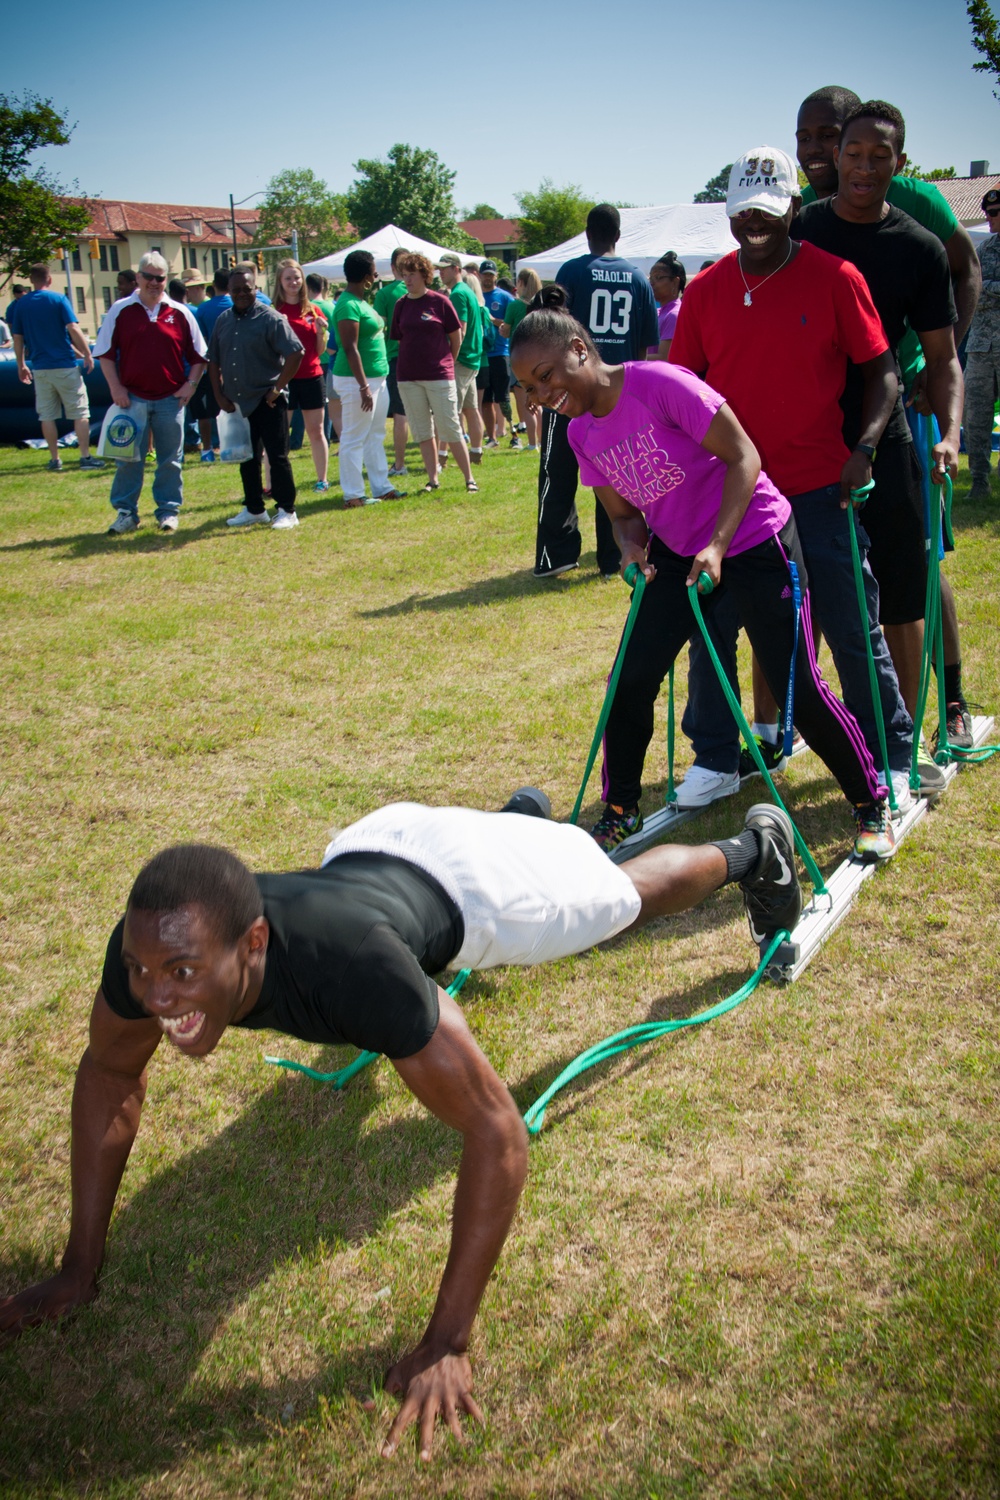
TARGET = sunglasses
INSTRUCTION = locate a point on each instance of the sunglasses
(991, 213)
(148, 276)
(745, 213)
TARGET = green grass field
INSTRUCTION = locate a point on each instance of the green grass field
(757, 1259)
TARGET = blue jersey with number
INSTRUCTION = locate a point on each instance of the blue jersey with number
(614, 302)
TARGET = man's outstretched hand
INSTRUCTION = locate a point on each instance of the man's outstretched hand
(431, 1385)
(46, 1302)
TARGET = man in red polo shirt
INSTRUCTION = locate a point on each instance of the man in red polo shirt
(153, 354)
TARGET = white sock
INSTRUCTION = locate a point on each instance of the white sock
(475, 450)
(766, 732)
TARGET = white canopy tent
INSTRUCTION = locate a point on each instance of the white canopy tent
(696, 231)
(381, 244)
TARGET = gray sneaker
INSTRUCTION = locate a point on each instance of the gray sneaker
(54, 465)
(932, 777)
(90, 462)
(980, 489)
(126, 522)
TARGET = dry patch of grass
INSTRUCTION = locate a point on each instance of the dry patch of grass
(757, 1259)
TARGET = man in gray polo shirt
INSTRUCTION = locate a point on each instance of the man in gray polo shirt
(252, 355)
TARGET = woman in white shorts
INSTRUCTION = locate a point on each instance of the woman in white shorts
(430, 335)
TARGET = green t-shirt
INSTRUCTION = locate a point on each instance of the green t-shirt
(326, 307)
(371, 340)
(385, 300)
(515, 312)
(929, 206)
(465, 304)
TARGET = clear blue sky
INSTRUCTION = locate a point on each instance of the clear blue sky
(630, 106)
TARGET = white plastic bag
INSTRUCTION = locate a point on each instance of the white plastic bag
(121, 432)
(235, 444)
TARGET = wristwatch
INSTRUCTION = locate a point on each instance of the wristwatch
(867, 450)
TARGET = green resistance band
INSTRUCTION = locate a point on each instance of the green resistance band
(818, 883)
(635, 1036)
(635, 577)
(859, 497)
(343, 1076)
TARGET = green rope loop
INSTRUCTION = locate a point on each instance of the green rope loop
(344, 1075)
(636, 1036)
(818, 882)
(859, 495)
(634, 576)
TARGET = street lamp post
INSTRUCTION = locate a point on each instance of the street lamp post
(233, 206)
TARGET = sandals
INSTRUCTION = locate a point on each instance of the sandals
(430, 487)
(472, 487)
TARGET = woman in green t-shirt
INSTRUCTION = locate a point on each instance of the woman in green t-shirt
(359, 373)
(529, 421)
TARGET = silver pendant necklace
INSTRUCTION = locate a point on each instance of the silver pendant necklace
(747, 299)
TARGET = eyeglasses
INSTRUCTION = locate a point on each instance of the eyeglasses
(148, 276)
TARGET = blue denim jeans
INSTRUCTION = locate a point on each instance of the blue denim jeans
(826, 546)
(165, 419)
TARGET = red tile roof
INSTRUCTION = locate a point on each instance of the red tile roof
(965, 195)
(493, 231)
(115, 217)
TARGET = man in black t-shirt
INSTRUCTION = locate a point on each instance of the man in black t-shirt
(346, 953)
(907, 272)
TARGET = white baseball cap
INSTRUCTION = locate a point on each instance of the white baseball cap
(763, 178)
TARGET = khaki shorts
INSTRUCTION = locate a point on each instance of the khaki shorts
(60, 390)
(465, 386)
(424, 399)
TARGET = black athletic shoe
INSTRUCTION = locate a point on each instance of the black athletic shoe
(771, 892)
(773, 757)
(529, 801)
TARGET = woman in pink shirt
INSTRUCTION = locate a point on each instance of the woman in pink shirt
(306, 391)
(683, 486)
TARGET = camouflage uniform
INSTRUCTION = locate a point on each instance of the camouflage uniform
(982, 369)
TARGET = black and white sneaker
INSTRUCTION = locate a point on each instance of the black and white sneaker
(771, 893)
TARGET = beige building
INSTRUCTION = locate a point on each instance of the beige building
(121, 231)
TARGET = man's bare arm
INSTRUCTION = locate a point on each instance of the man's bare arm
(76, 338)
(456, 1082)
(107, 1101)
(944, 392)
(966, 278)
(881, 392)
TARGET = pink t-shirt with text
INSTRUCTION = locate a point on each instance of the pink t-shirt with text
(649, 450)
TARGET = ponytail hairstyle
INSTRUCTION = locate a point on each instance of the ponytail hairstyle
(672, 265)
(549, 321)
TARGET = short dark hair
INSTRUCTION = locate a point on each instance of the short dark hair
(399, 250)
(38, 271)
(176, 289)
(358, 265)
(604, 222)
(674, 266)
(127, 274)
(243, 268)
(549, 321)
(314, 284)
(200, 875)
(885, 114)
(221, 280)
(841, 100)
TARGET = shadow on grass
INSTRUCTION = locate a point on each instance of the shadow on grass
(487, 591)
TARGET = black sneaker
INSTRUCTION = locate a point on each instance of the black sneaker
(773, 757)
(615, 825)
(529, 801)
(771, 892)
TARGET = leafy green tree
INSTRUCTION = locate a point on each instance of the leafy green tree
(412, 188)
(34, 218)
(483, 211)
(985, 39)
(301, 201)
(551, 215)
(936, 174)
(715, 188)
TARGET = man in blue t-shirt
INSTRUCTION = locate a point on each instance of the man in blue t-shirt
(496, 389)
(47, 340)
(615, 303)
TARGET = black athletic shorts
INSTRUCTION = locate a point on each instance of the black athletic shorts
(497, 380)
(396, 407)
(203, 405)
(894, 521)
(307, 394)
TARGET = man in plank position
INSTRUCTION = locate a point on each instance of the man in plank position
(345, 954)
